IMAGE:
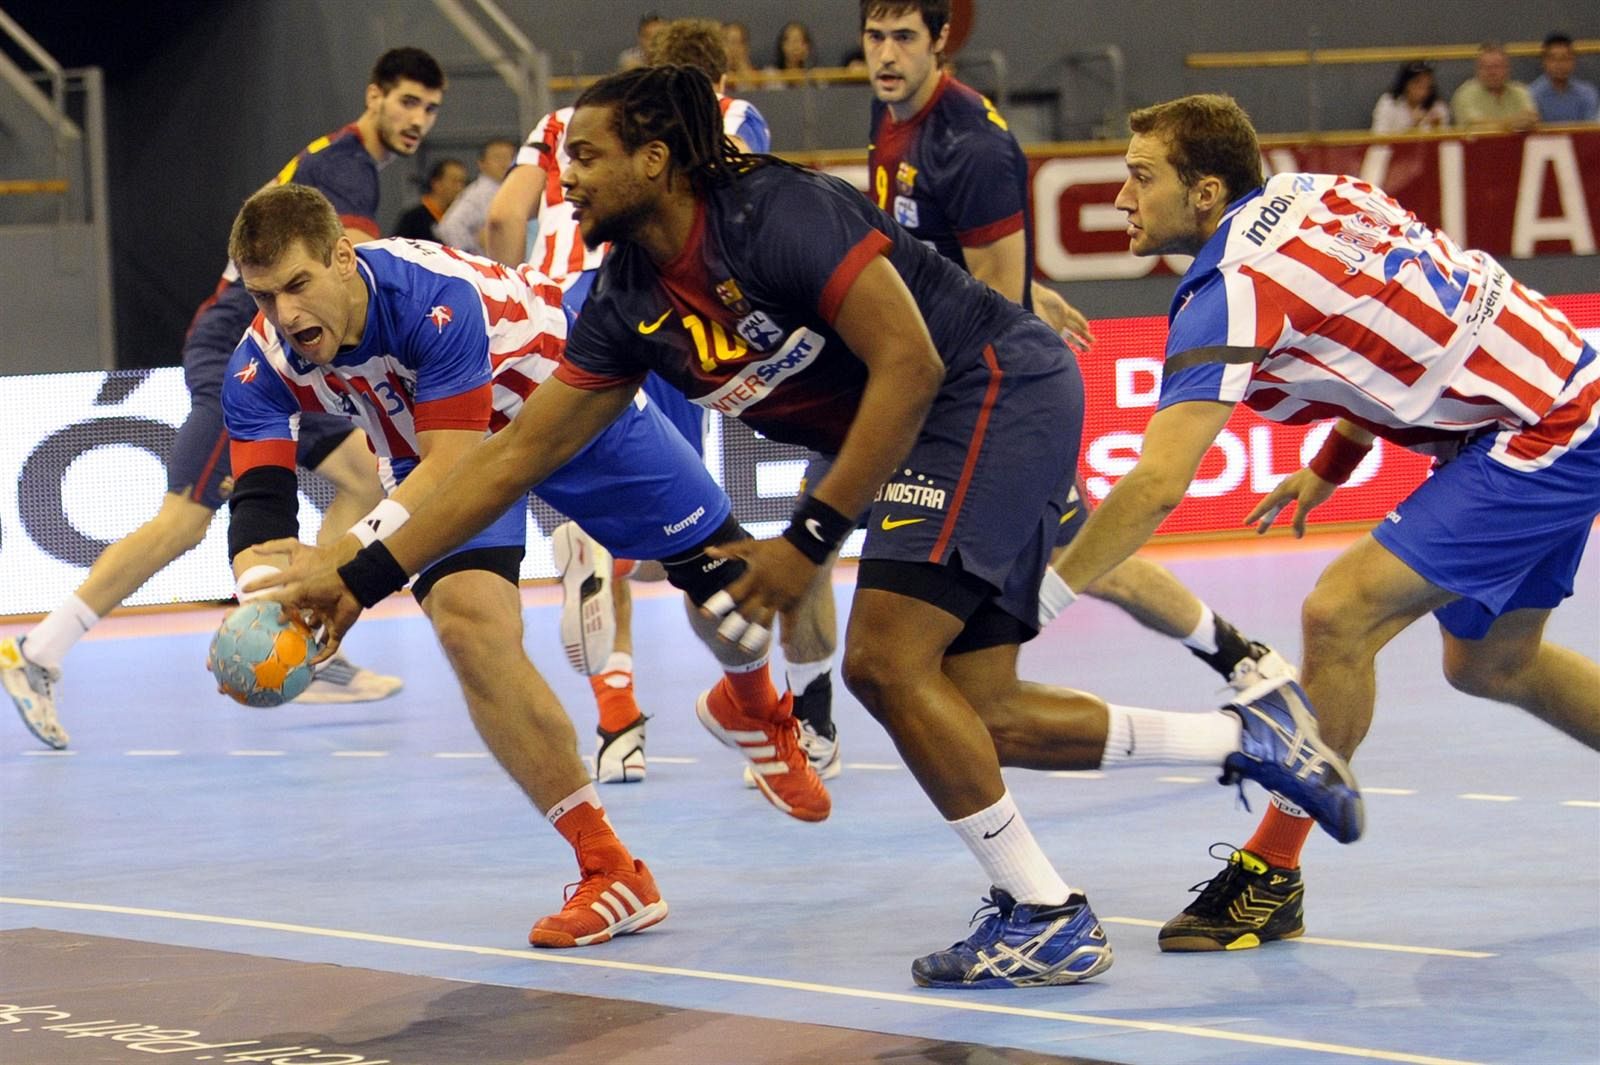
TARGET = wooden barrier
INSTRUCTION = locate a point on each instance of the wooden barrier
(32, 188)
(1393, 54)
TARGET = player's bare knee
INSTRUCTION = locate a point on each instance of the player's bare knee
(1471, 670)
(1329, 617)
(872, 677)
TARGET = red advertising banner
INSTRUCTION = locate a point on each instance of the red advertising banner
(1122, 379)
(1512, 195)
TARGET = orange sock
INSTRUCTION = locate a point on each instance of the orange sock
(582, 822)
(613, 694)
(752, 689)
(1279, 838)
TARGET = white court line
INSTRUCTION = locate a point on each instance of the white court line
(360, 754)
(151, 754)
(1184, 780)
(932, 1001)
(1387, 791)
(1478, 796)
(1078, 774)
(48, 754)
(875, 767)
(1587, 804)
(1352, 944)
(255, 754)
(667, 759)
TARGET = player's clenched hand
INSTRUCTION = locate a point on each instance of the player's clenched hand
(1302, 488)
(311, 584)
(776, 576)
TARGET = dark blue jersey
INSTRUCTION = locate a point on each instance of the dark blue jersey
(952, 173)
(742, 320)
(337, 165)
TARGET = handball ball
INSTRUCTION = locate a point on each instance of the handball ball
(259, 658)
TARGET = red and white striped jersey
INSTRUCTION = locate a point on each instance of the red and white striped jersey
(558, 251)
(452, 341)
(1366, 313)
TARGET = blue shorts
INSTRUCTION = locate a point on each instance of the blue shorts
(1500, 538)
(984, 487)
(638, 488)
(689, 419)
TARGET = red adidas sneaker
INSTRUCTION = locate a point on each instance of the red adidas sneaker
(606, 903)
(782, 771)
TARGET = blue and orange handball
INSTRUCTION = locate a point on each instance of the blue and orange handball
(262, 656)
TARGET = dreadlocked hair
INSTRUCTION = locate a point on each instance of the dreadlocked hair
(677, 106)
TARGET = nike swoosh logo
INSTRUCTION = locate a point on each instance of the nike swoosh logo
(648, 329)
(891, 524)
(1002, 828)
(1068, 515)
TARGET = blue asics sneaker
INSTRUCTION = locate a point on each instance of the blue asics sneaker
(1021, 945)
(1281, 750)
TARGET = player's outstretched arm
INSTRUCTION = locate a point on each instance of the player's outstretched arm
(553, 425)
(1175, 441)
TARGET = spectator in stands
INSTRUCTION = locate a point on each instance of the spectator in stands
(794, 50)
(1559, 96)
(445, 182)
(462, 224)
(1412, 102)
(1491, 99)
(650, 24)
(736, 42)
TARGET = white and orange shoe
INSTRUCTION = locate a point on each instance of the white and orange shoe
(606, 903)
(782, 771)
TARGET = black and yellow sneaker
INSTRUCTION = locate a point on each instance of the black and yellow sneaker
(1246, 904)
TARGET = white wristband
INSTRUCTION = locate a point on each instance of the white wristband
(1054, 596)
(380, 521)
(250, 576)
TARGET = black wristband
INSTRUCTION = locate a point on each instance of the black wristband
(817, 529)
(373, 574)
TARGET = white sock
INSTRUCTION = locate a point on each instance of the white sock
(1137, 736)
(999, 838)
(53, 637)
(799, 675)
(619, 662)
(585, 794)
(1204, 636)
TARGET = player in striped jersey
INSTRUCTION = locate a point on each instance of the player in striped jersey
(404, 92)
(1318, 297)
(559, 253)
(428, 348)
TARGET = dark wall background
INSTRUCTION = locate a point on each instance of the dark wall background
(208, 98)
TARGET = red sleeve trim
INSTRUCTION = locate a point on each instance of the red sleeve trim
(469, 410)
(856, 259)
(248, 454)
(577, 377)
(361, 222)
(976, 238)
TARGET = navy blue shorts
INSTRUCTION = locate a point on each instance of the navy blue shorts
(1503, 539)
(198, 468)
(985, 485)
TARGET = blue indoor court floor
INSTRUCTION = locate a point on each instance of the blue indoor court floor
(1464, 927)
